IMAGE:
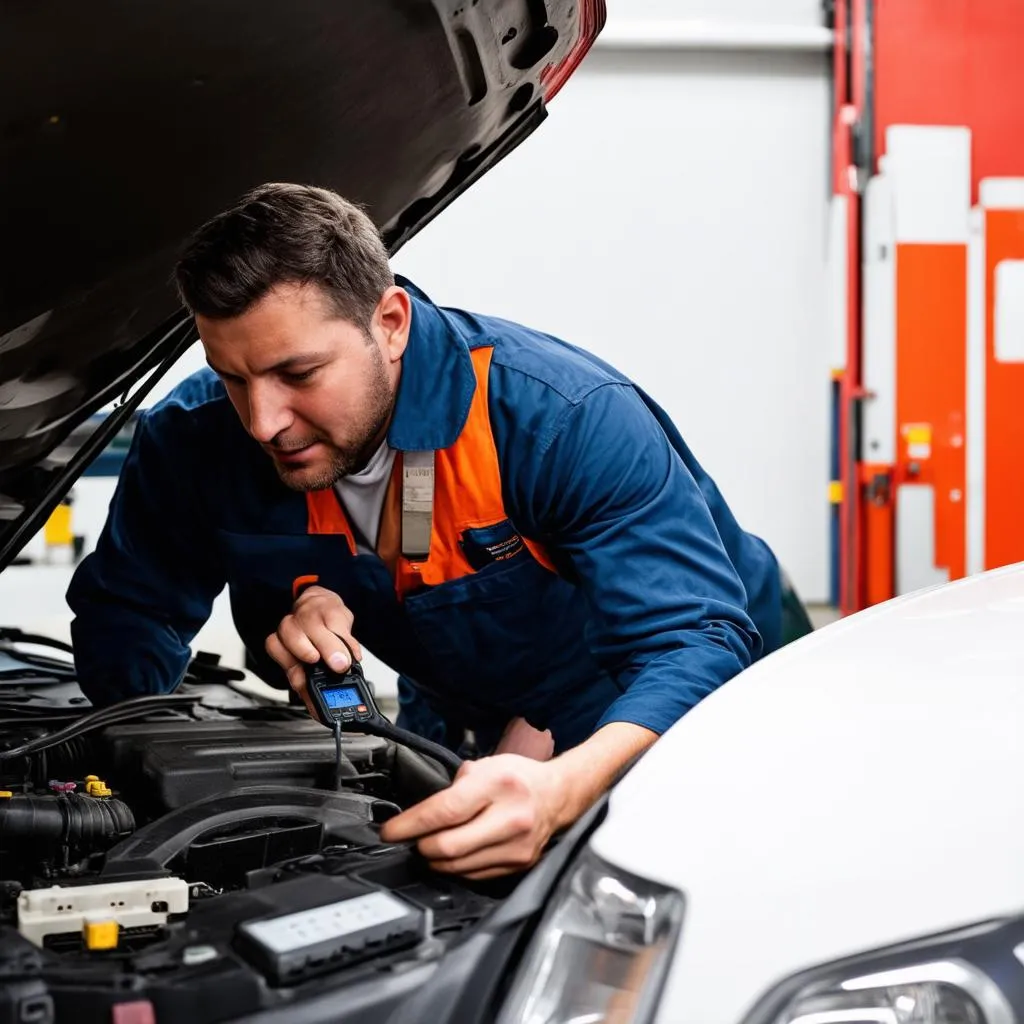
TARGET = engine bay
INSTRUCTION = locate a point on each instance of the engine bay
(205, 853)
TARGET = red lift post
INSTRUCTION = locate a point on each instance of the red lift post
(928, 148)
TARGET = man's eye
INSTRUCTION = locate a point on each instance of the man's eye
(298, 378)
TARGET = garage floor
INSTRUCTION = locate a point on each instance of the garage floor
(822, 614)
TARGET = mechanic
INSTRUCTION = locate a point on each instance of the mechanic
(505, 520)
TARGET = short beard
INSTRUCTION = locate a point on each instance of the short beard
(328, 477)
(343, 463)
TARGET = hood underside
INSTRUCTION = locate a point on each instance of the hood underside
(128, 125)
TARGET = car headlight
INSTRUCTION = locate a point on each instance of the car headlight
(950, 979)
(600, 953)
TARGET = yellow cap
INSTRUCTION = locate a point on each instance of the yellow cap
(97, 788)
(100, 934)
(92, 778)
(5, 793)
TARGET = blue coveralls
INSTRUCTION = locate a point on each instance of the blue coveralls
(659, 596)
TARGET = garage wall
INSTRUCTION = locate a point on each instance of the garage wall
(671, 217)
(774, 12)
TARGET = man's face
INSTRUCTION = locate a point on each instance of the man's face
(316, 391)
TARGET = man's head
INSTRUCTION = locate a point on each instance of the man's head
(300, 316)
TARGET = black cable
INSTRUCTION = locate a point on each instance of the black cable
(378, 725)
(36, 713)
(116, 713)
(337, 754)
(383, 728)
(11, 634)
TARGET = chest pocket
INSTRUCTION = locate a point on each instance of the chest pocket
(491, 545)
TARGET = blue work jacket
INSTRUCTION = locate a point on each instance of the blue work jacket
(658, 596)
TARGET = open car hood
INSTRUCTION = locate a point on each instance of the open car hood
(128, 125)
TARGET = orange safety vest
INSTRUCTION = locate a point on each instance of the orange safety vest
(467, 495)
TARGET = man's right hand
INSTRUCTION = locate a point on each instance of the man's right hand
(318, 623)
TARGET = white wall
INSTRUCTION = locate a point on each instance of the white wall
(774, 12)
(671, 217)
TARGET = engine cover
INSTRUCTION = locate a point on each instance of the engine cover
(179, 766)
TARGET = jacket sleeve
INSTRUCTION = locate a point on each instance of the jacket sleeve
(627, 522)
(149, 586)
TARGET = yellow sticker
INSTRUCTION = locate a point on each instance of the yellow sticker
(919, 440)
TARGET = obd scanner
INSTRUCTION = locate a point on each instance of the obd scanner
(336, 701)
(345, 701)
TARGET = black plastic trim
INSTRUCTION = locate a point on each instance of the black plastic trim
(988, 946)
(472, 980)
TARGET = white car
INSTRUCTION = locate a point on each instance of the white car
(832, 837)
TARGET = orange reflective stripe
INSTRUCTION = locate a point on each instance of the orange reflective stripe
(467, 493)
(325, 515)
(300, 583)
(467, 485)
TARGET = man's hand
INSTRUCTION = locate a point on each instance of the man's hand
(315, 629)
(520, 737)
(495, 818)
(500, 812)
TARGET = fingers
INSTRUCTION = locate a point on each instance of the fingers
(497, 826)
(294, 640)
(319, 626)
(493, 843)
(483, 876)
(331, 636)
(457, 804)
(491, 862)
(293, 668)
(493, 820)
(504, 838)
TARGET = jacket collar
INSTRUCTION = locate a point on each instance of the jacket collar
(437, 383)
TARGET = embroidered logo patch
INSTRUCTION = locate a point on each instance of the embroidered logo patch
(508, 548)
(488, 544)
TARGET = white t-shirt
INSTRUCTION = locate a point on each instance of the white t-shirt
(362, 496)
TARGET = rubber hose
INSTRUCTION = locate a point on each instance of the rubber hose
(70, 818)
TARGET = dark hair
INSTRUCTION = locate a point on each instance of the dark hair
(281, 233)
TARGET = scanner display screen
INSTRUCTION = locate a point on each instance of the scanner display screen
(342, 697)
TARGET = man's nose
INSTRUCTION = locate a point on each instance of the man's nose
(268, 415)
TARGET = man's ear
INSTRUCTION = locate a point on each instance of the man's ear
(393, 320)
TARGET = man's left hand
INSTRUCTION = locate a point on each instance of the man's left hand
(495, 818)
